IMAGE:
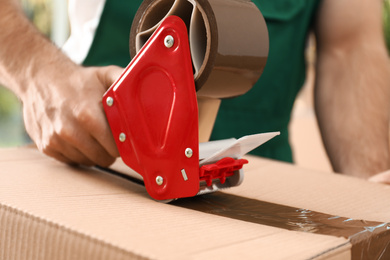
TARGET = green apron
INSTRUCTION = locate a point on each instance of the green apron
(268, 105)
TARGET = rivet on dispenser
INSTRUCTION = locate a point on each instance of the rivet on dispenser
(122, 137)
(189, 152)
(159, 180)
(169, 41)
(110, 101)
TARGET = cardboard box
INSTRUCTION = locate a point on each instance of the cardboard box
(53, 211)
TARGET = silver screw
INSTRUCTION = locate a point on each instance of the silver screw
(169, 41)
(189, 152)
(110, 101)
(159, 180)
(122, 137)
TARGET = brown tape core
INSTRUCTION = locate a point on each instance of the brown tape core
(228, 41)
(370, 240)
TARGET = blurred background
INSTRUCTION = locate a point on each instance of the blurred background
(50, 17)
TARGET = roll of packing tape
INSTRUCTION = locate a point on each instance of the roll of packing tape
(228, 41)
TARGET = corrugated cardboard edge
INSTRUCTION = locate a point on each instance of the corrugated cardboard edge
(24, 236)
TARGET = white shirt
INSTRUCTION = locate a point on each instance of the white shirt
(84, 17)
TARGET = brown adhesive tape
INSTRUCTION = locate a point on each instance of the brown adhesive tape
(228, 41)
(369, 239)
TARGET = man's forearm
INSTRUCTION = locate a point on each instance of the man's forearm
(353, 86)
(62, 107)
(24, 51)
(353, 110)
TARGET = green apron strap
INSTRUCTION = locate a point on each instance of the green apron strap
(111, 42)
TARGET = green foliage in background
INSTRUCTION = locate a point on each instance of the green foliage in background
(386, 20)
(8, 103)
(12, 131)
(39, 12)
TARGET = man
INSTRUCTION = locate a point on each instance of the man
(62, 100)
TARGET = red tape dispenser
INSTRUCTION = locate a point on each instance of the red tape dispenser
(153, 114)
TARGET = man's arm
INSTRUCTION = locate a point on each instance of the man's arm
(352, 93)
(62, 106)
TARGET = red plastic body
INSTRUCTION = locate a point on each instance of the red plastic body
(154, 115)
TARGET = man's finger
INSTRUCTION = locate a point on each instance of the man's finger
(383, 177)
(108, 75)
(93, 131)
(86, 149)
(58, 156)
(103, 135)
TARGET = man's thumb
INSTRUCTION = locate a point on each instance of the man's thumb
(110, 74)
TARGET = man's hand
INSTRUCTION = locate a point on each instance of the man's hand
(62, 106)
(383, 177)
(64, 116)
